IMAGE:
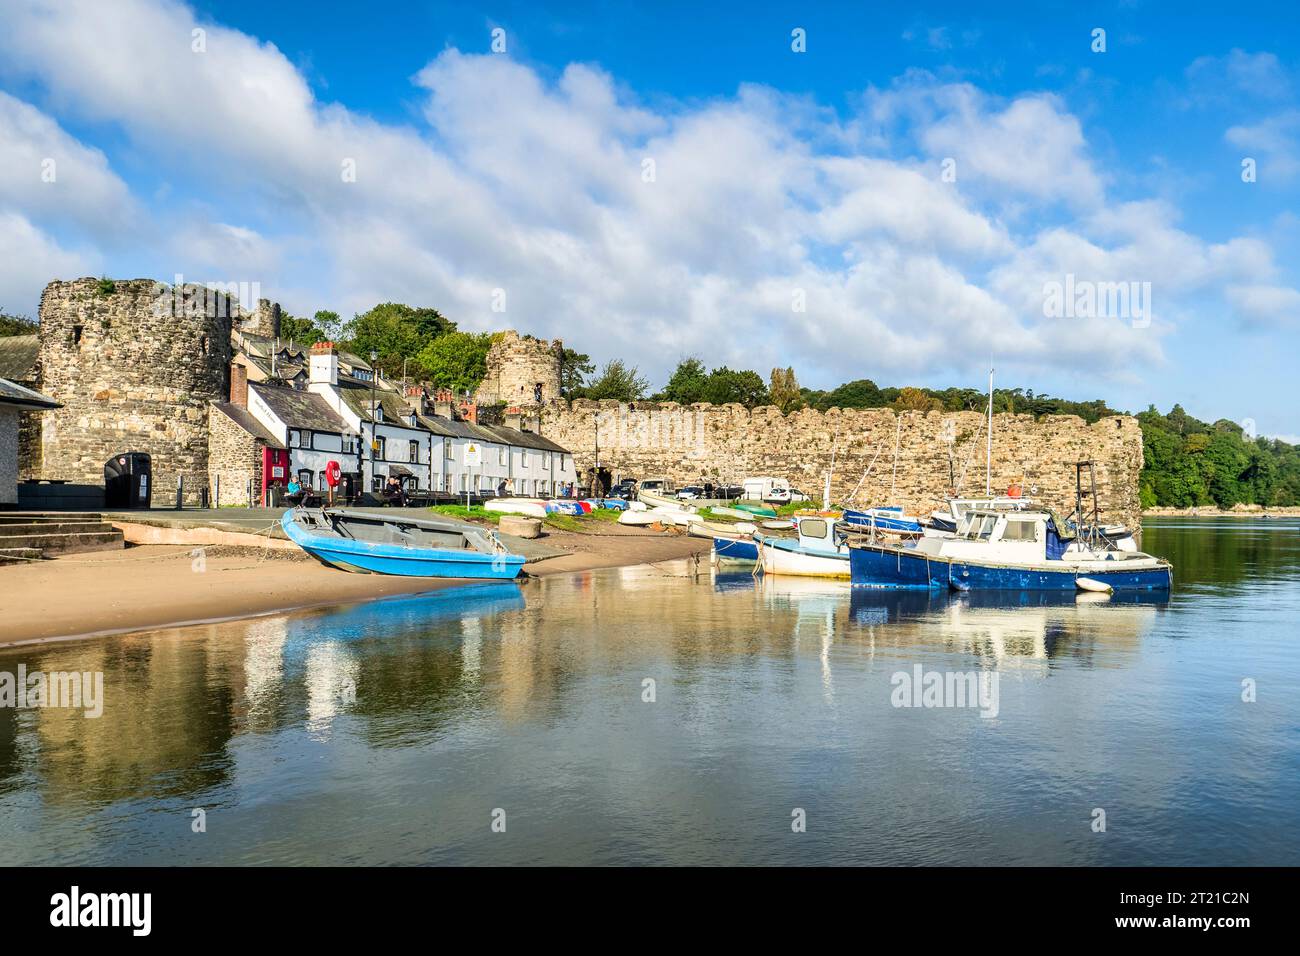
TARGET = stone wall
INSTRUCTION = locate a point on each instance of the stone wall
(9, 424)
(234, 459)
(135, 364)
(516, 365)
(729, 443)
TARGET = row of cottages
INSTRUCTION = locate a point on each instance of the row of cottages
(338, 409)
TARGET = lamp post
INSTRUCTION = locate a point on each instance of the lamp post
(374, 428)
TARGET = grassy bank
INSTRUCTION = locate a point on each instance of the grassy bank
(561, 522)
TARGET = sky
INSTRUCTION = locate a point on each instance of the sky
(1098, 203)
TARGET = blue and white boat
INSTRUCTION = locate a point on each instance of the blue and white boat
(736, 547)
(1005, 550)
(381, 544)
(888, 519)
(817, 551)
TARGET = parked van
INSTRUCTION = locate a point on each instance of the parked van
(773, 490)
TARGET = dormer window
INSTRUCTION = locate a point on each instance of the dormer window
(379, 413)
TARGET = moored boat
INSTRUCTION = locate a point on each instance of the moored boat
(379, 544)
(1001, 550)
(890, 519)
(816, 551)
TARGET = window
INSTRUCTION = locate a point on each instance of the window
(295, 438)
(812, 528)
(504, 456)
(305, 477)
(379, 413)
(381, 449)
(449, 449)
(1020, 531)
(76, 335)
(349, 444)
(377, 483)
(415, 451)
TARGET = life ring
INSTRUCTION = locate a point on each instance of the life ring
(1014, 491)
(333, 473)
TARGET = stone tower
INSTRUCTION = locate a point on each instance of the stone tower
(521, 370)
(134, 364)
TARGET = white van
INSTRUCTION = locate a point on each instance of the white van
(773, 490)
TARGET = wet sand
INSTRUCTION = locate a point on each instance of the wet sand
(154, 586)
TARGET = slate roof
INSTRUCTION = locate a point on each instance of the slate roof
(11, 393)
(245, 420)
(301, 409)
(512, 436)
(18, 355)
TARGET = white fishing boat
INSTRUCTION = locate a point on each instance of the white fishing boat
(817, 551)
(529, 507)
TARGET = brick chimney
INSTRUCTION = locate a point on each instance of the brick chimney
(444, 403)
(515, 418)
(238, 385)
(467, 409)
(415, 398)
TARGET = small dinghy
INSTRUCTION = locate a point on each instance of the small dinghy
(639, 518)
(529, 507)
(763, 511)
(723, 512)
(378, 544)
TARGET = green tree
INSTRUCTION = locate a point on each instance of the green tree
(394, 331)
(915, 400)
(455, 360)
(687, 384)
(575, 366)
(618, 381)
(16, 325)
(300, 331)
(861, 393)
(746, 388)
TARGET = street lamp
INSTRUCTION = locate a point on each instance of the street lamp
(374, 428)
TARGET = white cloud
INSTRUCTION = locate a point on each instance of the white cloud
(536, 187)
(1274, 142)
(1265, 305)
(29, 259)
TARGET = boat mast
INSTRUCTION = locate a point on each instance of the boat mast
(988, 454)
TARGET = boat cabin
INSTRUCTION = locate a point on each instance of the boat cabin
(1000, 535)
(816, 532)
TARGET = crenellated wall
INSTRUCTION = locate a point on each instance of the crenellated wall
(729, 443)
(135, 364)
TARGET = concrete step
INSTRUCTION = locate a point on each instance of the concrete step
(54, 527)
(19, 555)
(72, 543)
(33, 517)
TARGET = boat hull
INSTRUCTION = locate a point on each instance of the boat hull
(874, 566)
(783, 556)
(735, 549)
(364, 557)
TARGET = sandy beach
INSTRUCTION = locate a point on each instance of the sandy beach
(152, 586)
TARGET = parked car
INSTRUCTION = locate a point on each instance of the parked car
(729, 491)
(689, 492)
(797, 495)
(625, 489)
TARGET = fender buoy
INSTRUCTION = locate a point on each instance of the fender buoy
(333, 472)
(1013, 491)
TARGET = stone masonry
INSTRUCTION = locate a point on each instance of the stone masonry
(234, 459)
(729, 443)
(135, 365)
(516, 365)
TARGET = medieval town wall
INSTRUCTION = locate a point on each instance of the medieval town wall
(725, 444)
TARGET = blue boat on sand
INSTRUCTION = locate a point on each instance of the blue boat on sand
(381, 544)
(1005, 551)
(883, 519)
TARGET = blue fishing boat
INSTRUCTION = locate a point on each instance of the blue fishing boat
(883, 519)
(738, 548)
(1005, 551)
(380, 544)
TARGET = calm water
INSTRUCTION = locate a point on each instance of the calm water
(770, 695)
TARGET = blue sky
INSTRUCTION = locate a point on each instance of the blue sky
(777, 175)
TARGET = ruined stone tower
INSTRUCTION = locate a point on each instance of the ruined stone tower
(521, 370)
(134, 364)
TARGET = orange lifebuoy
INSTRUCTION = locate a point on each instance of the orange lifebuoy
(1013, 491)
(333, 472)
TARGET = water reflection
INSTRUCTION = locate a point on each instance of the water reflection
(384, 732)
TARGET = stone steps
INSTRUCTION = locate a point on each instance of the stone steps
(65, 543)
(26, 535)
(19, 555)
